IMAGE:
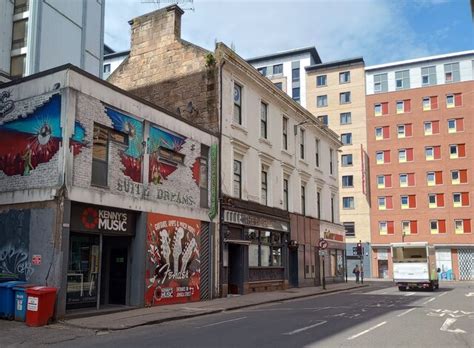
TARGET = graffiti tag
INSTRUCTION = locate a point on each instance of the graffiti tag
(15, 262)
(6, 105)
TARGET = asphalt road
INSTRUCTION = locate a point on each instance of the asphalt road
(378, 316)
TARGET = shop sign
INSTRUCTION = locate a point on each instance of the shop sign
(333, 236)
(36, 260)
(382, 254)
(234, 217)
(101, 219)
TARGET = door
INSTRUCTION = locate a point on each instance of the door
(235, 276)
(293, 269)
(118, 276)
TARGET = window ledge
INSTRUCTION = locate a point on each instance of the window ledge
(332, 177)
(302, 161)
(317, 169)
(265, 141)
(286, 153)
(239, 127)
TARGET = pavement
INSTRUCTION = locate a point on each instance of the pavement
(159, 314)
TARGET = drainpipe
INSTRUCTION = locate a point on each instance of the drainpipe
(221, 235)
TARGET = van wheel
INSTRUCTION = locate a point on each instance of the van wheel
(402, 288)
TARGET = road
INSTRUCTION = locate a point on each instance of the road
(377, 316)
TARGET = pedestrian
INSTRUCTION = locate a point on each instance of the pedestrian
(356, 271)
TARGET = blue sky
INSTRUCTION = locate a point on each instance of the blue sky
(381, 31)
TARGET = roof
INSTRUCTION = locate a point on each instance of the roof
(108, 49)
(311, 50)
(335, 63)
(116, 54)
(420, 60)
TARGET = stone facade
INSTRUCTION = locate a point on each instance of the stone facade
(168, 71)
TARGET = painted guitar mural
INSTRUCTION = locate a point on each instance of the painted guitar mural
(173, 262)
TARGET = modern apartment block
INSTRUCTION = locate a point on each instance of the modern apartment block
(335, 94)
(36, 35)
(421, 150)
(286, 70)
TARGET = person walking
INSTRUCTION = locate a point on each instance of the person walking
(356, 271)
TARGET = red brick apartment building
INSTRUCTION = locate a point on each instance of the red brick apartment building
(421, 148)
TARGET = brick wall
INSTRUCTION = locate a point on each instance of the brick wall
(168, 71)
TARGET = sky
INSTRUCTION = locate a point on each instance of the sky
(381, 31)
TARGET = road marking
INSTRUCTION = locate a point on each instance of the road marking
(428, 301)
(409, 294)
(221, 322)
(470, 294)
(368, 330)
(448, 323)
(304, 328)
(406, 312)
(444, 293)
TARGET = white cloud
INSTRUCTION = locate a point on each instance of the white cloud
(374, 29)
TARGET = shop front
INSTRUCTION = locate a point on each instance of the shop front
(255, 252)
(98, 262)
(335, 253)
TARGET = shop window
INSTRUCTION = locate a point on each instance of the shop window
(265, 249)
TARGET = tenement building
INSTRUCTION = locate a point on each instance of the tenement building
(277, 196)
(421, 149)
(109, 198)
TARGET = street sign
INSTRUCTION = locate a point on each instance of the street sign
(323, 253)
(323, 244)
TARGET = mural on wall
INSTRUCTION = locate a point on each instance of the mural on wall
(160, 138)
(173, 261)
(30, 139)
(132, 156)
(78, 140)
(14, 244)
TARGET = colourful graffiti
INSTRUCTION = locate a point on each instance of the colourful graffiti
(32, 140)
(78, 140)
(132, 156)
(173, 262)
(159, 138)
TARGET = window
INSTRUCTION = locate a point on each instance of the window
(20, 6)
(331, 161)
(409, 227)
(237, 104)
(323, 119)
(347, 181)
(403, 180)
(346, 160)
(17, 65)
(317, 152)
(430, 103)
(381, 109)
(457, 151)
(451, 72)
(462, 226)
(384, 181)
(321, 80)
(436, 200)
(408, 202)
(237, 179)
(318, 203)
(382, 156)
(402, 79)
(285, 133)
(263, 120)
(346, 138)
(403, 106)
(428, 76)
(437, 226)
(386, 227)
(106, 68)
(295, 74)
(279, 85)
(332, 209)
(303, 199)
(100, 156)
(461, 199)
(321, 101)
(265, 249)
(453, 100)
(434, 178)
(263, 71)
(349, 228)
(404, 130)
(204, 176)
(459, 176)
(432, 153)
(382, 133)
(19, 35)
(344, 98)
(348, 202)
(285, 193)
(344, 77)
(264, 183)
(385, 202)
(431, 127)
(380, 83)
(302, 151)
(345, 118)
(405, 155)
(296, 93)
(277, 69)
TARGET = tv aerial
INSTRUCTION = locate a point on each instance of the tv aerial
(186, 5)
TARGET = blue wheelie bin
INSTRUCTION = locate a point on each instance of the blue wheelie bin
(7, 299)
(21, 301)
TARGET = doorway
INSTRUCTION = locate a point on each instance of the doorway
(293, 267)
(114, 271)
(236, 267)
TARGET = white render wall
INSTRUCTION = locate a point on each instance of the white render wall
(244, 143)
(114, 64)
(466, 70)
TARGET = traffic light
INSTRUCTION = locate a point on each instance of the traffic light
(359, 248)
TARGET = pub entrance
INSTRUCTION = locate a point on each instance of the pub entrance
(236, 268)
